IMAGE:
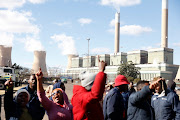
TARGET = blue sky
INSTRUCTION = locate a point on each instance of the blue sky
(61, 27)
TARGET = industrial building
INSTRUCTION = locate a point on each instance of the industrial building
(153, 62)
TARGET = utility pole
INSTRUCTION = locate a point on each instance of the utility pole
(88, 52)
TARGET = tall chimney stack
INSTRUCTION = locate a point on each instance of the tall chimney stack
(40, 62)
(117, 31)
(164, 26)
(5, 56)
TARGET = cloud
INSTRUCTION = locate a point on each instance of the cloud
(37, 1)
(83, 21)
(12, 4)
(65, 43)
(32, 44)
(176, 44)
(132, 30)
(6, 39)
(117, 3)
(100, 50)
(62, 24)
(17, 22)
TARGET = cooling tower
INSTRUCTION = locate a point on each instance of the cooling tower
(164, 26)
(70, 56)
(40, 61)
(117, 31)
(5, 56)
(178, 75)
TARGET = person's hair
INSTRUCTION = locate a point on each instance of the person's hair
(141, 84)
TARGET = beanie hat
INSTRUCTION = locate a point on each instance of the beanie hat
(20, 91)
(57, 85)
(87, 79)
(121, 80)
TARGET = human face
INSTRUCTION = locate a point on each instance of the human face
(158, 89)
(22, 99)
(32, 82)
(57, 96)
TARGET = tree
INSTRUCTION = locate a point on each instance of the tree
(129, 70)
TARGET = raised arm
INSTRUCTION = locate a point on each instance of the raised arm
(97, 89)
(8, 98)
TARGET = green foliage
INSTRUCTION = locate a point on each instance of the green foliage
(129, 71)
(137, 80)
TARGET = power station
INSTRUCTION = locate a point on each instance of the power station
(5, 56)
(153, 62)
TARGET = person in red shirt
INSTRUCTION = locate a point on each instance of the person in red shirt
(85, 99)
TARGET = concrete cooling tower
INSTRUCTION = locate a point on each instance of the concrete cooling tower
(5, 56)
(40, 61)
(70, 56)
(164, 26)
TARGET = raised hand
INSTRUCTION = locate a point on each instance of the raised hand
(9, 83)
(39, 74)
(101, 65)
(153, 85)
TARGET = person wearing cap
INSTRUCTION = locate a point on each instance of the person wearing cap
(59, 108)
(16, 109)
(86, 97)
(139, 106)
(113, 104)
(164, 101)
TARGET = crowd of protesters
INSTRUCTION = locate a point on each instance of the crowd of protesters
(154, 100)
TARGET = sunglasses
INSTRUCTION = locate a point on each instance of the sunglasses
(57, 92)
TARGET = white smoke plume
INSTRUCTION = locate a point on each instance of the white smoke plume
(65, 43)
(117, 3)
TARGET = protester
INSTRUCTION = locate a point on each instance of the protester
(17, 109)
(49, 89)
(139, 107)
(125, 96)
(86, 97)
(113, 104)
(35, 108)
(178, 112)
(59, 108)
(164, 102)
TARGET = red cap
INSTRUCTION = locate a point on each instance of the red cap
(121, 80)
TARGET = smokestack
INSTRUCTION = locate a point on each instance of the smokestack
(5, 56)
(70, 56)
(164, 26)
(40, 61)
(117, 31)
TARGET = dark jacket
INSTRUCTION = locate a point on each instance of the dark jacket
(85, 103)
(35, 108)
(138, 106)
(113, 105)
(12, 109)
(178, 112)
(165, 107)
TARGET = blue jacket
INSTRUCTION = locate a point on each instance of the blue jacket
(178, 112)
(165, 107)
(35, 108)
(138, 105)
(113, 105)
